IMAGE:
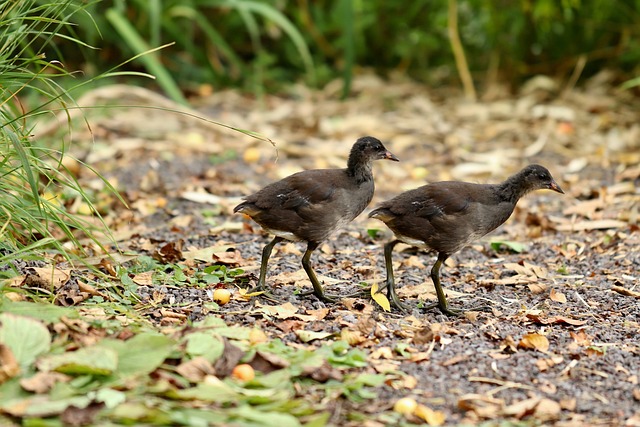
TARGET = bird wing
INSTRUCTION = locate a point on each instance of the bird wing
(303, 190)
(431, 202)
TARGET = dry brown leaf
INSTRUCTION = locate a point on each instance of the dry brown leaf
(625, 291)
(9, 367)
(522, 408)
(284, 311)
(537, 288)
(351, 336)
(581, 338)
(196, 369)
(508, 345)
(231, 256)
(547, 410)
(539, 318)
(85, 287)
(169, 253)
(318, 314)
(534, 341)
(601, 224)
(143, 279)
(47, 278)
(204, 254)
(454, 360)
(545, 364)
(481, 405)
(382, 353)
(557, 296)
(43, 382)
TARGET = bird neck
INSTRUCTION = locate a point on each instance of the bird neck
(514, 188)
(359, 170)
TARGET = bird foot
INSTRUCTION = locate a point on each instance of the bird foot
(322, 297)
(455, 312)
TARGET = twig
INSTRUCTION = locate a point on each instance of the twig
(577, 72)
(458, 52)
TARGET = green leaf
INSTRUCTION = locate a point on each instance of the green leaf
(110, 397)
(42, 405)
(262, 418)
(517, 247)
(27, 338)
(85, 361)
(211, 391)
(141, 354)
(206, 345)
(45, 312)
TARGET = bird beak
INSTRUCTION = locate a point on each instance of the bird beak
(387, 155)
(555, 187)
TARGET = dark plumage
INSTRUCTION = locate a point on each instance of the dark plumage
(311, 205)
(446, 216)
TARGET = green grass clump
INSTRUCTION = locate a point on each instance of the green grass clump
(33, 217)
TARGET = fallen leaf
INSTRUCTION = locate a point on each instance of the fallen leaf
(9, 367)
(600, 224)
(308, 336)
(625, 291)
(539, 318)
(547, 410)
(380, 298)
(43, 382)
(430, 416)
(47, 278)
(143, 279)
(534, 341)
(557, 296)
(196, 369)
(169, 253)
(27, 338)
(204, 254)
(231, 256)
(284, 311)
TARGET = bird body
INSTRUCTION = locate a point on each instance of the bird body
(448, 215)
(312, 205)
(309, 205)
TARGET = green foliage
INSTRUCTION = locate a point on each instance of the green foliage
(262, 44)
(500, 245)
(152, 378)
(33, 216)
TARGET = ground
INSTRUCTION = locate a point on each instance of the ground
(559, 344)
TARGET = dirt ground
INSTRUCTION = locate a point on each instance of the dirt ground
(560, 344)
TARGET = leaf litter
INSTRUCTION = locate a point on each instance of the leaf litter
(144, 341)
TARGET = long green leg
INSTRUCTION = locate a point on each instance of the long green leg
(266, 253)
(443, 305)
(390, 282)
(306, 264)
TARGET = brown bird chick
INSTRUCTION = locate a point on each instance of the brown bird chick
(446, 216)
(311, 205)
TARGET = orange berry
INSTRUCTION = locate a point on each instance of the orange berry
(243, 372)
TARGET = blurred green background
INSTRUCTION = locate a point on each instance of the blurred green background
(265, 45)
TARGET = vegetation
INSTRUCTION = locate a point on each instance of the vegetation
(261, 44)
(33, 178)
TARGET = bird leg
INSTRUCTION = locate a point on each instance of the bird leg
(317, 287)
(266, 253)
(442, 304)
(390, 282)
